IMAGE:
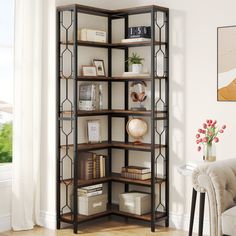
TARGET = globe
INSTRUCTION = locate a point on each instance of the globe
(137, 128)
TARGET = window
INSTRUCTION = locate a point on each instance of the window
(6, 78)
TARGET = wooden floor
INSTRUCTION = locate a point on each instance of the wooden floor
(101, 228)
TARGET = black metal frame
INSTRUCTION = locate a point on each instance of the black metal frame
(158, 49)
(201, 212)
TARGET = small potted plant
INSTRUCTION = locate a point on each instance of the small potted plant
(136, 62)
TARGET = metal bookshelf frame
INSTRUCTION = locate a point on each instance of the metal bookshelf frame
(159, 51)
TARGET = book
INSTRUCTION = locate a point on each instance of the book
(94, 165)
(91, 165)
(102, 160)
(132, 74)
(80, 190)
(98, 173)
(136, 176)
(90, 194)
(93, 186)
(85, 163)
(133, 40)
(136, 169)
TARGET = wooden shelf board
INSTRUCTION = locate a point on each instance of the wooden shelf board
(119, 13)
(111, 209)
(116, 177)
(114, 78)
(135, 44)
(68, 217)
(146, 217)
(114, 112)
(82, 183)
(112, 45)
(114, 144)
(132, 146)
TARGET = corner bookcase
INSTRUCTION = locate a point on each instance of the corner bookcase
(69, 116)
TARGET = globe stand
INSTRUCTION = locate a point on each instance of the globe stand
(138, 142)
(140, 108)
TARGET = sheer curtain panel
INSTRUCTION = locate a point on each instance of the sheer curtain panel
(27, 114)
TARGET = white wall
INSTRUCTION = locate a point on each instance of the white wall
(193, 84)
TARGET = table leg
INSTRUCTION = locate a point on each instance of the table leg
(201, 213)
(194, 196)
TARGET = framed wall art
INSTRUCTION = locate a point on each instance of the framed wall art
(93, 131)
(99, 64)
(226, 63)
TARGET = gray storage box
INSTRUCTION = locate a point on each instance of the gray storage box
(92, 205)
(135, 203)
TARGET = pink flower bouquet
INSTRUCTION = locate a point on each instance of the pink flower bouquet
(208, 133)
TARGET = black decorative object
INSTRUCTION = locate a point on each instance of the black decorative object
(68, 115)
(139, 32)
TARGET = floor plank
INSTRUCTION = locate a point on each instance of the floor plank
(101, 228)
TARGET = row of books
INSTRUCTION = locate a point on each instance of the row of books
(136, 172)
(89, 191)
(91, 165)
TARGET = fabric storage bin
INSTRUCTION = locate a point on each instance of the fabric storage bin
(92, 205)
(135, 203)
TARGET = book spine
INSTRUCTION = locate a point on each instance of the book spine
(104, 166)
(101, 166)
(94, 166)
(98, 167)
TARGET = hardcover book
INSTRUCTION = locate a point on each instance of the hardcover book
(136, 169)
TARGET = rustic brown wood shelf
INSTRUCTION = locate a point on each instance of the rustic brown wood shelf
(113, 209)
(146, 217)
(115, 177)
(68, 217)
(112, 45)
(115, 144)
(114, 78)
(135, 44)
(114, 112)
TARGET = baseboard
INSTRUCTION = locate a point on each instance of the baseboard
(181, 222)
(5, 223)
(48, 219)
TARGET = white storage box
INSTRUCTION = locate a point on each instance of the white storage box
(93, 35)
(135, 203)
(92, 205)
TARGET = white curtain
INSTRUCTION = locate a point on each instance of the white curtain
(27, 137)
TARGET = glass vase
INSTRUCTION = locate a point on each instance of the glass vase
(209, 152)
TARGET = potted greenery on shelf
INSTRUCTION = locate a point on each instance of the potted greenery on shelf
(136, 62)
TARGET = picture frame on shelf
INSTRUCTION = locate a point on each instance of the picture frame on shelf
(93, 131)
(89, 71)
(99, 64)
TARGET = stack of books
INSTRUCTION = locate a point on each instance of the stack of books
(89, 191)
(134, 40)
(136, 172)
(91, 165)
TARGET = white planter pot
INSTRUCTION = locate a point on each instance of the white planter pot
(137, 68)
